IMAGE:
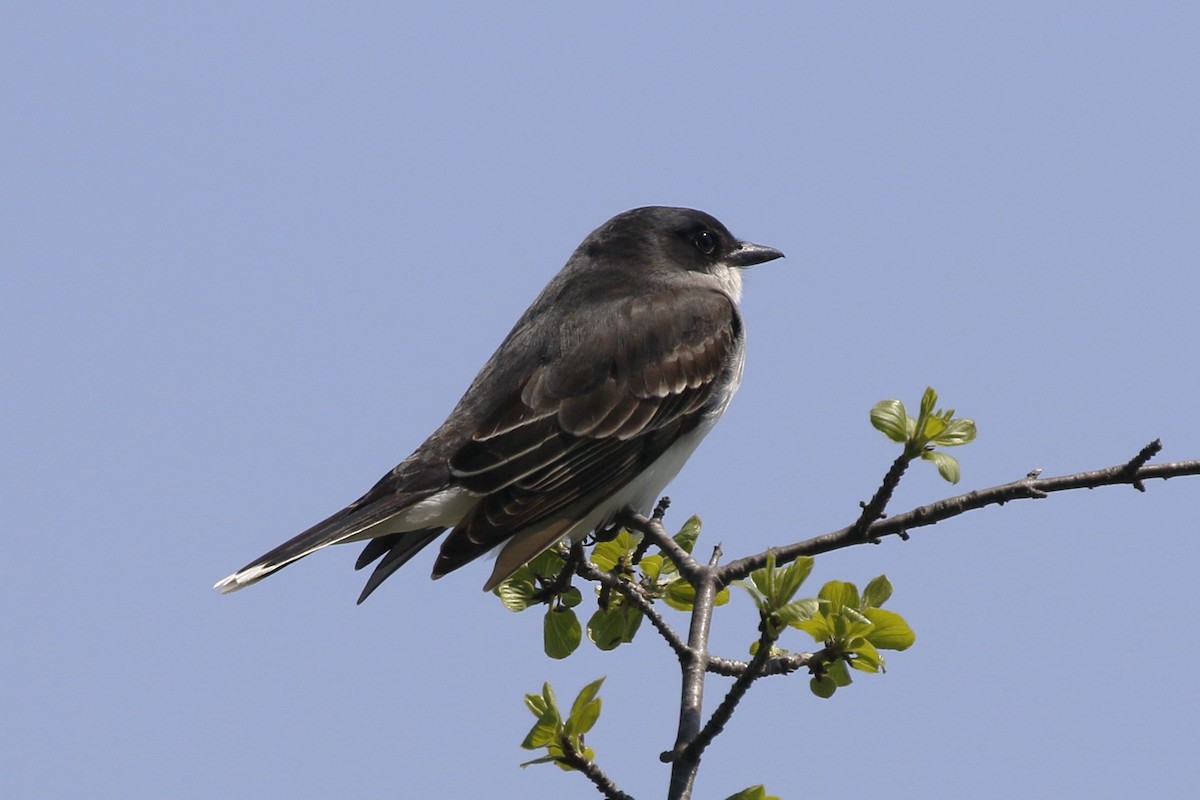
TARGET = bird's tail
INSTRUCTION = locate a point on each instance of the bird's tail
(396, 549)
(396, 525)
(319, 536)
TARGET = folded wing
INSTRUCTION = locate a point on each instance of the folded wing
(592, 415)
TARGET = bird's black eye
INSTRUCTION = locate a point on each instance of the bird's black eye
(705, 241)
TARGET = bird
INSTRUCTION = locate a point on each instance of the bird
(589, 408)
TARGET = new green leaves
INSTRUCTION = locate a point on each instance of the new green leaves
(617, 618)
(562, 738)
(928, 430)
(852, 627)
(536, 583)
(561, 632)
(524, 588)
(772, 590)
(753, 793)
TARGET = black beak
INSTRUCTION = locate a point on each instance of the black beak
(747, 254)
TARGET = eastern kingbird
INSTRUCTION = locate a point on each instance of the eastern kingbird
(590, 406)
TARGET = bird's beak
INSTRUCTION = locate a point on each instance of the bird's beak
(747, 254)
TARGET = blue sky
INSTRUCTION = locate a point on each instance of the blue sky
(253, 253)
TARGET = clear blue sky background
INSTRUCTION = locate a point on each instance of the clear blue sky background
(253, 253)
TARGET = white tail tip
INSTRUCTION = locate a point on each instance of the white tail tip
(240, 580)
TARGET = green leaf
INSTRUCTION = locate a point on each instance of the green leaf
(819, 626)
(611, 627)
(789, 579)
(849, 624)
(544, 732)
(889, 631)
(889, 418)
(561, 632)
(798, 610)
(688, 534)
(585, 710)
(933, 427)
(840, 594)
(517, 592)
(760, 585)
(947, 466)
(545, 707)
(839, 673)
(633, 620)
(548, 698)
(680, 595)
(547, 564)
(583, 721)
(606, 555)
(866, 658)
(928, 401)
(535, 703)
(652, 567)
(752, 793)
(957, 432)
(606, 628)
(876, 592)
(764, 578)
(571, 597)
(822, 686)
(542, 760)
(586, 695)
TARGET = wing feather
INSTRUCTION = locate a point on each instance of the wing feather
(592, 418)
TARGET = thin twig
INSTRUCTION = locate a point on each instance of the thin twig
(873, 510)
(660, 511)
(1137, 462)
(900, 524)
(562, 581)
(635, 595)
(652, 528)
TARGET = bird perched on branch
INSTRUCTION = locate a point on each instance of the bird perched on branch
(590, 406)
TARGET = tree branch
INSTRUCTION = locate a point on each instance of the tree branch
(873, 510)
(1133, 472)
(775, 665)
(575, 556)
(716, 723)
(684, 766)
(573, 758)
(692, 738)
(693, 660)
(652, 528)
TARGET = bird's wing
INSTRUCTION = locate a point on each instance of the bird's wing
(609, 397)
